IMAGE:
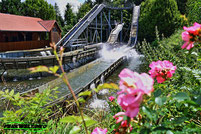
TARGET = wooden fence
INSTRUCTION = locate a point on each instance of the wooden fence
(23, 45)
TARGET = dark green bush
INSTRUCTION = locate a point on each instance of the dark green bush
(194, 11)
(161, 13)
(182, 6)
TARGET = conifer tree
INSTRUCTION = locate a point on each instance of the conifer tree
(59, 18)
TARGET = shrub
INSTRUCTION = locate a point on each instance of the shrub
(193, 11)
(182, 6)
(161, 13)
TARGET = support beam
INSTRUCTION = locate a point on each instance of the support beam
(107, 20)
(109, 29)
(122, 29)
(87, 35)
(96, 30)
(101, 27)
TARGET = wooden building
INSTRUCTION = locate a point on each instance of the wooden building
(24, 33)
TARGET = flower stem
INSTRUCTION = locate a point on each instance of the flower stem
(65, 79)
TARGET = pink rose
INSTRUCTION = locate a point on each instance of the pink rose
(162, 70)
(188, 43)
(98, 130)
(119, 117)
(132, 82)
(130, 103)
(193, 29)
(111, 98)
(189, 36)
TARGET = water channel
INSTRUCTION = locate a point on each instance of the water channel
(82, 78)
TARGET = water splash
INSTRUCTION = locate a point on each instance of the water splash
(102, 79)
(99, 104)
(104, 92)
(111, 54)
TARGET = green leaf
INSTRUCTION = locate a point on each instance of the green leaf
(75, 130)
(157, 93)
(107, 86)
(17, 96)
(160, 100)
(1, 92)
(6, 91)
(179, 120)
(125, 117)
(190, 102)
(81, 100)
(69, 119)
(54, 69)
(169, 132)
(150, 113)
(11, 93)
(88, 121)
(181, 96)
(85, 93)
(39, 69)
(198, 101)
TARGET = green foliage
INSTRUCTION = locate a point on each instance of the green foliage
(161, 13)
(107, 86)
(193, 11)
(29, 109)
(69, 16)
(12, 7)
(174, 107)
(83, 9)
(182, 6)
(66, 28)
(59, 18)
(39, 8)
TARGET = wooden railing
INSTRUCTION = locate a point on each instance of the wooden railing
(23, 45)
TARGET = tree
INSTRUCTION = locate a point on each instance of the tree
(102, 1)
(83, 9)
(59, 18)
(194, 11)
(161, 13)
(69, 16)
(182, 6)
(39, 8)
(11, 6)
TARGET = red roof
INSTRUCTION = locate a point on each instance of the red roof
(23, 23)
(47, 24)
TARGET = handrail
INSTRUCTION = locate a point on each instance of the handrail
(83, 24)
(58, 43)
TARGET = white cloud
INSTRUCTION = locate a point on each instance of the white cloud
(62, 5)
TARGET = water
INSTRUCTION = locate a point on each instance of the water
(134, 63)
(82, 79)
(22, 86)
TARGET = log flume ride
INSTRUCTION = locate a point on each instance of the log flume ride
(49, 59)
(31, 58)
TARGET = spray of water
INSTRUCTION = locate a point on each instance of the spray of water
(114, 54)
(111, 54)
